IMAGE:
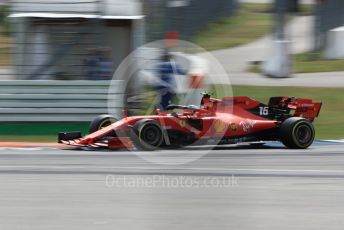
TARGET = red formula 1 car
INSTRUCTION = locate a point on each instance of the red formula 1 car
(228, 120)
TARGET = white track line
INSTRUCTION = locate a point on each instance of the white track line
(335, 141)
(238, 170)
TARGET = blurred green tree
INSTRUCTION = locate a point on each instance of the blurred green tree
(4, 22)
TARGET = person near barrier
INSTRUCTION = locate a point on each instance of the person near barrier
(166, 86)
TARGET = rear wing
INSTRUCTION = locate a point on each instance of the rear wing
(297, 107)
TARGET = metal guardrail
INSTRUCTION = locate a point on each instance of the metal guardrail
(40, 101)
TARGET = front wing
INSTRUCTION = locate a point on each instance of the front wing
(75, 139)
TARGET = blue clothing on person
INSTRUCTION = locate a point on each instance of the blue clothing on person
(166, 70)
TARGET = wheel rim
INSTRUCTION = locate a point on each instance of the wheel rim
(151, 135)
(304, 134)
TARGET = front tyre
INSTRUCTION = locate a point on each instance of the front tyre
(297, 133)
(148, 135)
(101, 122)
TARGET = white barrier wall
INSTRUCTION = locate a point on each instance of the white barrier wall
(334, 45)
(111, 7)
(58, 100)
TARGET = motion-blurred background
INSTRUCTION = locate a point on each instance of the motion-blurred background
(58, 56)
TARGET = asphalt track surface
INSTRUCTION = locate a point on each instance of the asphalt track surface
(226, 188)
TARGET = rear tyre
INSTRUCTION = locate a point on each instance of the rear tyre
(101, 122)
(147, 135)
(297, 133)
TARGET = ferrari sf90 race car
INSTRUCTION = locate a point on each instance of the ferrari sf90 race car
(229, 120)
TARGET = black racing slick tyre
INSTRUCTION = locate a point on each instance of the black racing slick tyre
(297, 133)
(147, 135)
(101, 121)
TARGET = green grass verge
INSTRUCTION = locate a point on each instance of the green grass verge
(304, 9)
(38, 131)
(249, 24)
(41, 128)
(309, 63)
(314, 63)
(330, 123)
(33, 138)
